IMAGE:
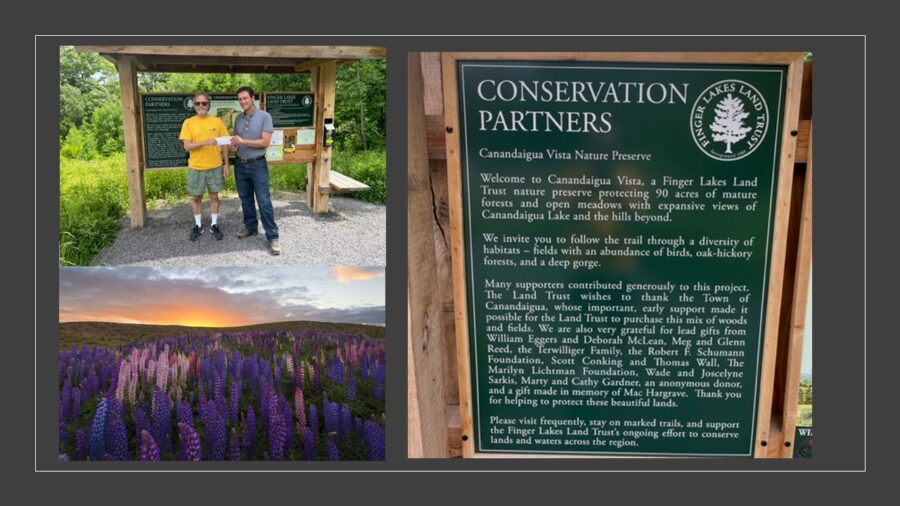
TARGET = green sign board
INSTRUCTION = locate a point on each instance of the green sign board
(291, 110)
(617, 226)
(164, 113)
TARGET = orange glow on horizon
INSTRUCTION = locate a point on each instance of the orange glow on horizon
(187, 317)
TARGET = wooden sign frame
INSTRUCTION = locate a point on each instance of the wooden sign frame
(794, 62)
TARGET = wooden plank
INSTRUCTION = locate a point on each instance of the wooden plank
(342, 183)
(273, 51)
(803, 148)
(435, 130)
(779, 245)
(327, 78)
(424, 307)
(798, 319)
(454, 432)
(307, 66)
(414, 444)
(457, 254)
(319, 126)
(130, 121)
(786, 58)
(434, 89)
(441, 217)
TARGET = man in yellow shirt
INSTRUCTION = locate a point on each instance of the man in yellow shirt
(205, 164)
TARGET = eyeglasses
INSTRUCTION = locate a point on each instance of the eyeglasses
(201, 103)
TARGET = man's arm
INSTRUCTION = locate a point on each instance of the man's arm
(190, 146)
(262, 142)
(226, 170)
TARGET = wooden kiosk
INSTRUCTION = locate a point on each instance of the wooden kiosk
(320, 61)
(556, 197)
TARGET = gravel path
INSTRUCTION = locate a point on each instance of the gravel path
(352, 233)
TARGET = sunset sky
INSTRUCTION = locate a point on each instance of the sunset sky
(214, 297)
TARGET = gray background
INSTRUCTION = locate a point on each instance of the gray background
(838, 269)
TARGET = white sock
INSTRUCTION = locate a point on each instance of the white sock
(197, 219)
(215, 219)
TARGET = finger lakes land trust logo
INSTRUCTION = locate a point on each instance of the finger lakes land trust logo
(729, 120)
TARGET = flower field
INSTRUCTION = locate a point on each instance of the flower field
(259, 395)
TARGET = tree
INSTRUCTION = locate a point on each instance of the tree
(728, 126)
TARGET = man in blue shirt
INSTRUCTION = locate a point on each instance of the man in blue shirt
(252, 134)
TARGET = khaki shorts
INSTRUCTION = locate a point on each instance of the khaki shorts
(199, 181)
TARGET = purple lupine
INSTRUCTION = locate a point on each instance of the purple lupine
(300, 410)
(235, 399)
(332, 448)
(116, 436)
(249, 436)
(65, 402)
(309, 444)
(378, 382)
(189, 445)
(332, 413)
(141, 422)
(184, 413)
(276, 430)
(81, 446)
(149, 449)
(287, 426)
(64, 457)
(314, 419)
(359, 427)
(375, 440)
(63, 427)
(219, 436)
(346, 423)
(234, 445)
(98, 437)
(351, 384)
(162, 419)
(317, 378)
(76, 403)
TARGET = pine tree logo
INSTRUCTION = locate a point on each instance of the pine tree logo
(729, 120)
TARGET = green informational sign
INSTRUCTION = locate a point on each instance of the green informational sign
(163, 114)
(290, 110)
(618, 224)
(803, 442)
(162, 118)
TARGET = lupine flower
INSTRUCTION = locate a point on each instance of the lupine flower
(276, 430)
(63, 457)
(162, 419)
(309, 444)
(346, 423)
(299, 410)
(189, 445)
(234, 445)
(98, 436)
(375, 440)
(314, 420)
(149, 449)
(249, 436)
(116, 437)
(351, 384)
(81, 446)
(332, 448)
(332, 413)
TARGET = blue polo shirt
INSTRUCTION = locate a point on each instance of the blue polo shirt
(252, 128)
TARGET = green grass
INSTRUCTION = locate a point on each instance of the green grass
(94, 195)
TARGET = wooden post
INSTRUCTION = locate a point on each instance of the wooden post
(131, 125)
(326, 78)
(798, 314)
(311, 166)
(428, 428)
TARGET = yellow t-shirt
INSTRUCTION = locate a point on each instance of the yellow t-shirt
(197, 129)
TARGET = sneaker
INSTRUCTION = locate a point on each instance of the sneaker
(195, 233)
(275, 247)
(216, 232)
(244, 233)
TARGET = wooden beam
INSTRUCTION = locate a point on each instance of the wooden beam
(131, 125)
(798, 314)
(317, 125)
(777, 267)
(425, 311)
(327, 78)
(274, 51)
(309, 65)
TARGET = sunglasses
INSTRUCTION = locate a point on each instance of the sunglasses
(201, 103)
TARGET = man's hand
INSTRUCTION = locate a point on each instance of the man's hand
(210, 142)
(236, 140)
(226, 171)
